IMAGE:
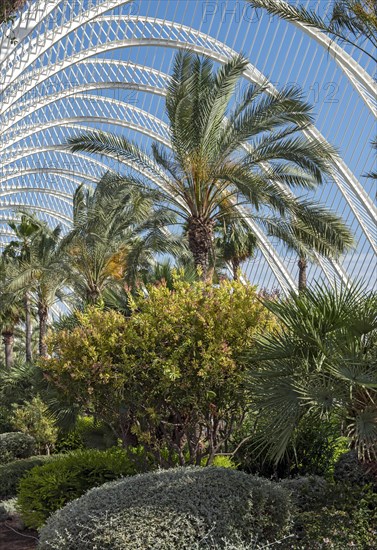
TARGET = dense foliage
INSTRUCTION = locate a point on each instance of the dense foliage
(168, 376)
(11, 473)
(180, 508)
(15, 445)
(332, 515)
(322, 364)
(225, 153)
(48, 487)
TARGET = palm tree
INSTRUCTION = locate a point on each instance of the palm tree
(352, 21)
(9, 317)
(208, 171)
(10, 314)
(321, 364)
(235, 243)
(45, 273)
(117, 228)
(323, 234)
(18, 251)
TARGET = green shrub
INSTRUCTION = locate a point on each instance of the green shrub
(87, 433)
(222, 461)
(35, 419)
(349, 469)
(332, 515)
(181, 508)
(15, 445)
(49, 487)
(11, 473)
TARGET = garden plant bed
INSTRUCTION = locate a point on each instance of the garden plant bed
(15, 539)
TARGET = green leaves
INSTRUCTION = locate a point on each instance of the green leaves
(172, 367)
(322, 363)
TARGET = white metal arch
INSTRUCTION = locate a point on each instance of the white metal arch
(150, 80)
(356, 74)
(71, 175)
(58, 215)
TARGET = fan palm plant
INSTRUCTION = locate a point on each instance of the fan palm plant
(208, 170)
(117, 228)
(323, 363)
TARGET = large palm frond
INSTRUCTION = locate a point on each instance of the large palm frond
(322, 362)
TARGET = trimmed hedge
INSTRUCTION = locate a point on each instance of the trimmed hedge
(49, 487)
(13, 472)
(183, 508)
(15, 445)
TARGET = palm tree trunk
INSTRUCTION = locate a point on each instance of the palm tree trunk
(235, 268)
(302, 274)
(28, 331)
(200, 236)
(8, 339)
(93, 295)
(43, 316)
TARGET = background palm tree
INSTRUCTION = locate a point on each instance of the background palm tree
(235, 243)
(45, 273)
(10, 315)
(208, 170)
(351, 21)
(321, 364)
(117, 229)
(323, 235)
(18, 251)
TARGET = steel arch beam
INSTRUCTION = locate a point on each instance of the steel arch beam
(25, 24)
(99, 119)
(251, 73)
(65, 197)
(9, 206)
(149, 72)
(66, 174)
(55, 35)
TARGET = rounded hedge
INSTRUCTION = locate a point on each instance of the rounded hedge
(49, 487)
(15, 445)
(13, 472)
(183, 508)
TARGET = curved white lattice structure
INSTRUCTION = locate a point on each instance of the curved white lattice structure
(84, 64)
